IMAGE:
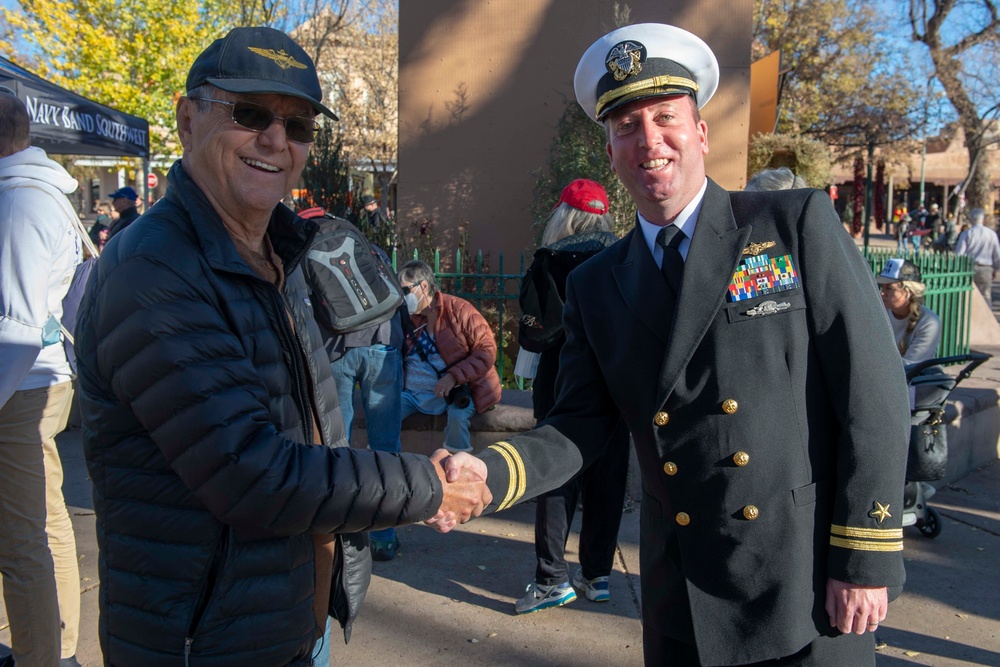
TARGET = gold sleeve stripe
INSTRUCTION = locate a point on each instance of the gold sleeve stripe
(868, 533)
(522, 478)
(512, 476)
(859, 545)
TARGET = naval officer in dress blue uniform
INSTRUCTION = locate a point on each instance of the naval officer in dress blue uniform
(741, 337)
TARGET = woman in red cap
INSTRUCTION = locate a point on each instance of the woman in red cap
(578, 228)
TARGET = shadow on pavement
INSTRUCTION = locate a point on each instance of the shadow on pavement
(929, 647)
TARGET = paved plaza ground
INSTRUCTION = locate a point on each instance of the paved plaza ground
(449, 599)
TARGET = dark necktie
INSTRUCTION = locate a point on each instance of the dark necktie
(669, 238)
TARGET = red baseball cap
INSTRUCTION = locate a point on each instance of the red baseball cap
(585, 195)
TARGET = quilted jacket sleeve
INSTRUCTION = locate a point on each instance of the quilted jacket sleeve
(164, 356)
(476, 333)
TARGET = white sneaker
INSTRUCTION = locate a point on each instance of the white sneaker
(597, 589)
(538, 597)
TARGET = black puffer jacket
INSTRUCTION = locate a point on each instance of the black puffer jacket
(195, 405)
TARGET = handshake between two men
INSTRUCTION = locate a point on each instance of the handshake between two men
(463, 479)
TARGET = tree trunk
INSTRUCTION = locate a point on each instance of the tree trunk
(927, 29)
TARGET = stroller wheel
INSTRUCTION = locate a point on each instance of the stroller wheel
(931, 525)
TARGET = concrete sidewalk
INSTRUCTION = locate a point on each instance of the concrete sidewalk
(449, 599)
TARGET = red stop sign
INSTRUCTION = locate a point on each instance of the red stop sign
(152, 180)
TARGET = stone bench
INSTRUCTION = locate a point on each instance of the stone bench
(425, 433)
(972, 419)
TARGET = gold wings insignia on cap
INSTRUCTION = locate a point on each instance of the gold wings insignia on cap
(757, 248)
(280, 58)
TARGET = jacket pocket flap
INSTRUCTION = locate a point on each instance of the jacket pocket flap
(766, 306)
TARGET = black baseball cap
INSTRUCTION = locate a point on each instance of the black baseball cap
(124, 193)
(259, 60)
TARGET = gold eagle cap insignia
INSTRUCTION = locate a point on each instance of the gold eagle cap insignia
(280, 58)
(757, 248)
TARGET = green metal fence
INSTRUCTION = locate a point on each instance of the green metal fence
(948, 278)
(487, 291)
(949, 292)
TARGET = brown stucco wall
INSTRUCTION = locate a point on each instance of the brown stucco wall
(482, 85)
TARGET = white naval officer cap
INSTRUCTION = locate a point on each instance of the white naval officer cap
(644, 60)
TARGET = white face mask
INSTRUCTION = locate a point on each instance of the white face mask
(411, 302)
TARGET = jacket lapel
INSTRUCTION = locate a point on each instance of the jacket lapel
(642, 286)
(715, 251)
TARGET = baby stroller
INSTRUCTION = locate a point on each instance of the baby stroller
(927, 459)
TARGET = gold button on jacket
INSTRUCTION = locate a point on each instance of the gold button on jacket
(751, 512)
(661, 418)
(729, 406)
(741, 458)
(670, 468)
(683, 518)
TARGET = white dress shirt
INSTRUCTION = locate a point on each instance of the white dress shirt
(685, 221)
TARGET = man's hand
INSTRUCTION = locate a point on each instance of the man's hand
(855, 608)
(444, 385)
(463, 478)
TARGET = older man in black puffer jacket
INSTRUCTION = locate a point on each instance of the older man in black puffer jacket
(229, 509)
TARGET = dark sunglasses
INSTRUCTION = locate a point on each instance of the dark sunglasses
(258, 118)
(406, 288)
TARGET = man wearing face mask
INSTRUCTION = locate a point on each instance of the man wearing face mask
(448, 365)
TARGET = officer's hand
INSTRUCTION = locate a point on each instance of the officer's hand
(854, 608)
(463, 478)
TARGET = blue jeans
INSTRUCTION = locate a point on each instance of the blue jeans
(456, 432)
(378, 370)
(321, 651)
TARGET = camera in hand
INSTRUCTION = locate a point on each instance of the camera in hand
(459, 396)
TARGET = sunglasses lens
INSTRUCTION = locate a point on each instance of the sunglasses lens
(258, 118)
(301, 129)
(252, 116)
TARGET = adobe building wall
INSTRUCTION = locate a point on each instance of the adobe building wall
(483, 84)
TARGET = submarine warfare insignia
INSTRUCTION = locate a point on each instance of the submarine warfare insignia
(768, 308)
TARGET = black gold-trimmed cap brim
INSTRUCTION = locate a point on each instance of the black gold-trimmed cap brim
(640, 90)
(264, 87)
